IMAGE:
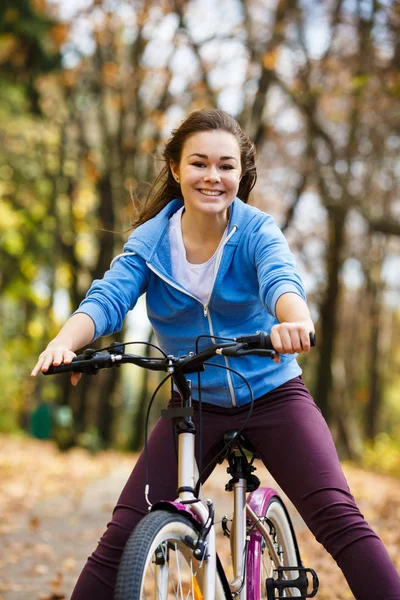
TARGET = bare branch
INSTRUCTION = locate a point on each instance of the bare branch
(178, 6)
(382, 225)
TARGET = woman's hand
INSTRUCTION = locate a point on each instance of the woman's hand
(77, 332)
(55, 354)
(288, 338)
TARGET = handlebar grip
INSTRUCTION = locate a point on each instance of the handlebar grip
(265, 340)
(69, 368)
(262, 340)
(89, 363)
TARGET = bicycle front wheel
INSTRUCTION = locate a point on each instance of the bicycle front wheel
(158, 562)
(260, 563)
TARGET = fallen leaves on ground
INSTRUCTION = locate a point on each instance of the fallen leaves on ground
(31, 470)
(42, 549)
(44, 539)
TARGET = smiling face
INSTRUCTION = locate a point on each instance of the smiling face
(209, 172)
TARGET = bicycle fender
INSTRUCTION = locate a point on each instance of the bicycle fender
(177, 507)
(260, 498)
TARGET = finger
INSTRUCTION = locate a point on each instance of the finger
(295, 340)
(75, 377)
(37, 367)
(305, 340)
(47, 361)
(287, 347)
(276, 339)
(277, 358)
(57, 358)
(68, 357)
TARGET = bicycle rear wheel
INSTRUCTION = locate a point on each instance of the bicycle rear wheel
(260, 565)
(158, 562)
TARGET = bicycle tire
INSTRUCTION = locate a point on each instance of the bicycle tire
(285, 541)
(178, 576)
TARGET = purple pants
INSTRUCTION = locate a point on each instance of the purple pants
(294, 443)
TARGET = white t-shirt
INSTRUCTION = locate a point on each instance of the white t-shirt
(195, 278)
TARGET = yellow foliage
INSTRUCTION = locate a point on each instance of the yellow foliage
(147, 145)
(64, 276)
(35, 329)
(84, 250)
(6, 172)
(59, 33)
(28, 268)
(8, 44)
(13, 242)
(92, 172)
(383, 455)
(38, 211)
(9, 218)
(110, 72)
(269, 59)
(359, 81)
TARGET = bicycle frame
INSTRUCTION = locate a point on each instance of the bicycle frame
(244, 513)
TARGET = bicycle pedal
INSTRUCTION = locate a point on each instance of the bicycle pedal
(301, 582)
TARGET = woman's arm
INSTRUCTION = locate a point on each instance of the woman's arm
(78, 331)
(102, 312)
(295, 325)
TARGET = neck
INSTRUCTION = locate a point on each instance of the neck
(204, 227)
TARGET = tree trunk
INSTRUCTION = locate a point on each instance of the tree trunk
(329, 310)
(374, 400)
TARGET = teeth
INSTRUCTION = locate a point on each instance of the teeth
(211, 193)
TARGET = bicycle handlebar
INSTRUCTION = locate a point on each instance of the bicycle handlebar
(91, 361)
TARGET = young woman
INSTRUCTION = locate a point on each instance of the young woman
(211, 264)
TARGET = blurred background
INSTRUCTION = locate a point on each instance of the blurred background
(90, 90)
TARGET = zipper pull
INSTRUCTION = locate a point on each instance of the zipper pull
(205, 310)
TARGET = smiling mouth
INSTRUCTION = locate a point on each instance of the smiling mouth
(211, 192)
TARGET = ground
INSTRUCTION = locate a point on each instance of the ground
(54, 508)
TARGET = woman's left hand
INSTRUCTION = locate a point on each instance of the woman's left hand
(288, 338)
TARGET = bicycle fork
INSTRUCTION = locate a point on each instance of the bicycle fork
(204, 548)
(238, 585)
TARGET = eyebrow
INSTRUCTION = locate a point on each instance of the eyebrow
(205, 156)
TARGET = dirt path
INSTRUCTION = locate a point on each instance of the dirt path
(44, 546)
(44, 553)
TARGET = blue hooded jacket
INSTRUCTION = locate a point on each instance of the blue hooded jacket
(254, 268)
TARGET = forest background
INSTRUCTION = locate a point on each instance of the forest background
(90, 89)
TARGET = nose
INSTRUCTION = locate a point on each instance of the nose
(212, 175)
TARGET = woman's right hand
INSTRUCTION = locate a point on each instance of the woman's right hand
(76, 333)
(55, 354)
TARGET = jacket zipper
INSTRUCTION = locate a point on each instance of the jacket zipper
(207, 314)
(205, 306)
(219, 257)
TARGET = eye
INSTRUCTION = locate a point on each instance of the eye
(227, 167)
(198, 164)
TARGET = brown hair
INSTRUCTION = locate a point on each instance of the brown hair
(165, 188)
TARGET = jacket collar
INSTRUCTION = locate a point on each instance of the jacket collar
(151, 242)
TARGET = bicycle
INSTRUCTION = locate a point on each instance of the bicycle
(172, 551)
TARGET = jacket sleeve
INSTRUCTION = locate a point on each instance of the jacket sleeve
(109, 299)
(274, 263)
